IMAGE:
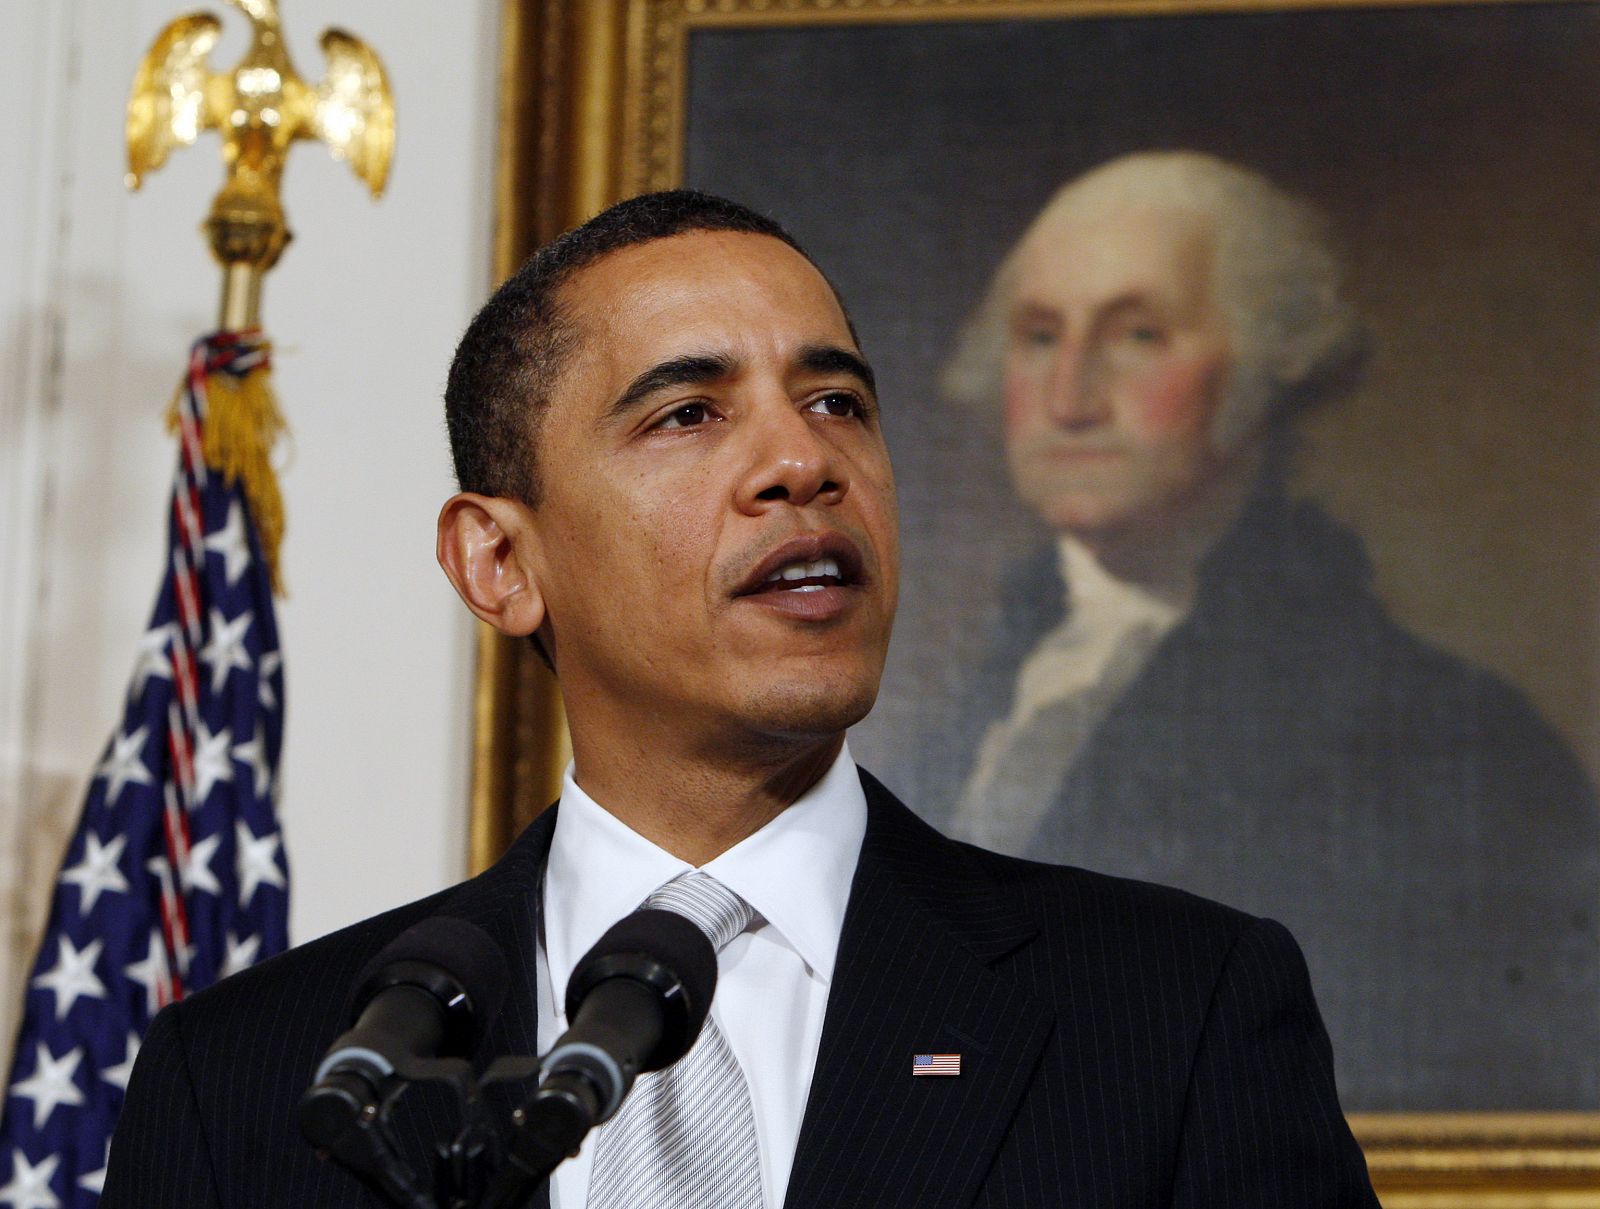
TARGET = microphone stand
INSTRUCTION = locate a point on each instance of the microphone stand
(465, 1167)
(546, 1130)
(477, 1168)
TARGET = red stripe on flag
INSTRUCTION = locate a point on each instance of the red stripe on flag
(187, 594)
(189, 416)
(183, 674)
(175, 913)
(181, 748)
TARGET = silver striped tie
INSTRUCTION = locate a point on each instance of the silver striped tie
(687, 1135)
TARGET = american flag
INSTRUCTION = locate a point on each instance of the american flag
(936, 1064)
(176, 874)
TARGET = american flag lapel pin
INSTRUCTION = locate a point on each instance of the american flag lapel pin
(935, 1064)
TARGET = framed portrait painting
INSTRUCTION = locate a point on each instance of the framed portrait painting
(1239, 366)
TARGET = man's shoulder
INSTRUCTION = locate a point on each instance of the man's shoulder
(499, 900)
(1076, 910)
(234, 1059)
(293, 1004)
(1121, 916)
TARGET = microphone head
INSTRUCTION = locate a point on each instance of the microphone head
(454, 961)
(666, 952)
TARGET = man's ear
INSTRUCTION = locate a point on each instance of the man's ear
(488, 549)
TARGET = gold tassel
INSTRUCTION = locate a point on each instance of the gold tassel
(242, 424)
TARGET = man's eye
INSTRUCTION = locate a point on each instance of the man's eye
(1036, 337)
(690, 415)
(838, 403)
(1143, 333)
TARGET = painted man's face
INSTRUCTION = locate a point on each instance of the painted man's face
(1117, 359)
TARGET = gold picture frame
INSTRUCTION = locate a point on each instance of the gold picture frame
(593, 104)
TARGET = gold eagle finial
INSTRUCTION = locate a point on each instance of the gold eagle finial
(259, 109)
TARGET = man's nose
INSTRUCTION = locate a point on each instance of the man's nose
(790, 462)
(1075, 392)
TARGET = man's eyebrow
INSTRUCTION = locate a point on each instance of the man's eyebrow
(1026, 308)
(691, 369)
(831, 359)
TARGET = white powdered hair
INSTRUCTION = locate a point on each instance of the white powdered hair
(1278, 283)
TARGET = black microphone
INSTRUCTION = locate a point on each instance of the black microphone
(430, 993)
(636, 1002)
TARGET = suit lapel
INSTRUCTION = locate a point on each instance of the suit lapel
(915, 974)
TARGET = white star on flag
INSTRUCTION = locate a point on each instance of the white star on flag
(241, 954)
(30, 1186)
(73, 976)
(211, 761)
(50, 1084)
(152, 660)
(257, 862)
(124, 764)
(254, 756)
(230, 542)
(271, 661)
(119, 1074)
(197, 873)
(95, 1181)
(98, 873)
(226, 650)
(151, 973)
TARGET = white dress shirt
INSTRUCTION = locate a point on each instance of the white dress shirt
(772, 982)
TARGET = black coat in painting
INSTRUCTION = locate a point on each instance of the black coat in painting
(1425, 834)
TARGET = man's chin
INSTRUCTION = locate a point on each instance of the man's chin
(1089, 516)
(805, 708)
(1131, 516)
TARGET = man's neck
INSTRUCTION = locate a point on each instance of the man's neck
(697, 805)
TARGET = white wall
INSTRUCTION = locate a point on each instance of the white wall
(101, 292)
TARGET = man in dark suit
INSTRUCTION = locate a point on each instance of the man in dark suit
(674, 478)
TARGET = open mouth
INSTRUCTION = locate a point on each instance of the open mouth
(805, 565)
(803, 576)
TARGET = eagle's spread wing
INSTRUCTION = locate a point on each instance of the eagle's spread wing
(354, 112)
(167, 107)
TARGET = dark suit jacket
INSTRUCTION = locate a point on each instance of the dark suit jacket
(1122, 1045)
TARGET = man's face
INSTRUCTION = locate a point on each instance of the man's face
(717, 533)
(1116, 361)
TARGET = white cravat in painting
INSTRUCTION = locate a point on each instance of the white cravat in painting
(1064, 688)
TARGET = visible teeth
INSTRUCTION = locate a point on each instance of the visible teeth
(822, 568)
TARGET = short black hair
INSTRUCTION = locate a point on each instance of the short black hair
(506, 364)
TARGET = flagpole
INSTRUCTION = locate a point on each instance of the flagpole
(241, 298)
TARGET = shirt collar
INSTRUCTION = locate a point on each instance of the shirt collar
(796, 871)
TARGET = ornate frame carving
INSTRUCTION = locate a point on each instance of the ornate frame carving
(592, 109)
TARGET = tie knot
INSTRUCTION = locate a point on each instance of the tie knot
(707, 903)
